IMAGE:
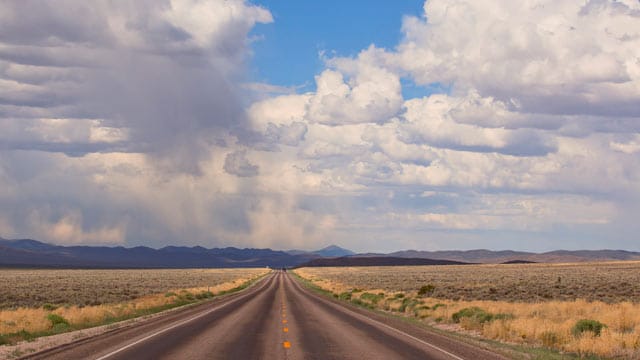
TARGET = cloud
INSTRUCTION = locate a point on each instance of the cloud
(138, 124)
(236, 163)
(519, 212)
(430, 121)
(166, 73)
(629, 147)
(579, 58)
(371, 94)
(68, 229)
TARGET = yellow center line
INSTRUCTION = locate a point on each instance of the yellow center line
(285, 329)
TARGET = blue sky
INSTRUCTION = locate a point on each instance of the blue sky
(375, 125)
(287, 51)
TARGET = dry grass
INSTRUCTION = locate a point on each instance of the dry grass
(35, 288)
(162, 287)
(608, 281)
(526, 318)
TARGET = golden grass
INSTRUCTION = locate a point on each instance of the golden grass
(34, 320)
(542, 323)
(82, 287)
(604, 281)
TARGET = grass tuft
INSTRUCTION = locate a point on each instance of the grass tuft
(587, 325)
(474, 313)
(58, 323)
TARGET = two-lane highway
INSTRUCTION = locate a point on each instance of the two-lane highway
(276, 318)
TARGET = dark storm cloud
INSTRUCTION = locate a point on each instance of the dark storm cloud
(131, 65)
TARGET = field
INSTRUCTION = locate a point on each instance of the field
(43, 302)
(35, 288)
(607, 282)
(587, 309)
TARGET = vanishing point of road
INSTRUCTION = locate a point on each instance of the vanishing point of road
(276, 318)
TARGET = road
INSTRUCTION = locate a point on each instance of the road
(277, 318)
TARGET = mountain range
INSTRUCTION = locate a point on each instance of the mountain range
(33, 253)
(505, 256)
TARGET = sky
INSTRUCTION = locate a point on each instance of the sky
(374, 125)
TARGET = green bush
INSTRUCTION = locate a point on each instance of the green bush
(416, 310)
(361, 303)
(408, 303)
(345, 296)
(426, 289)
(58, 323)
(357, 301)
(474, 313)
(583, 325)
(434, 307)
(372, 298)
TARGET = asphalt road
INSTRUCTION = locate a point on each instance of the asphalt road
(276, 318)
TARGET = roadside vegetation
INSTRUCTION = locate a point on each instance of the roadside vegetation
(588, 328)
(54, 314)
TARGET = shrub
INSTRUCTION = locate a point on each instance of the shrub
(407, 303)
(359, 302)
(58, 323)
(434, 307)
(426, 289)
(583, 325)
(345, 296)
(372, 298)
(474, 313)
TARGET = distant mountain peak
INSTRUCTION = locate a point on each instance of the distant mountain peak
(333, 251)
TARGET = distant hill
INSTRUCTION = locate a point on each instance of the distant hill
(329, 251)
(32, 253)
(333, 251)
(375, 261)
(497, 257)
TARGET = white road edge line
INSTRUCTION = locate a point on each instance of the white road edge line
(171, 327)
(390, 328)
